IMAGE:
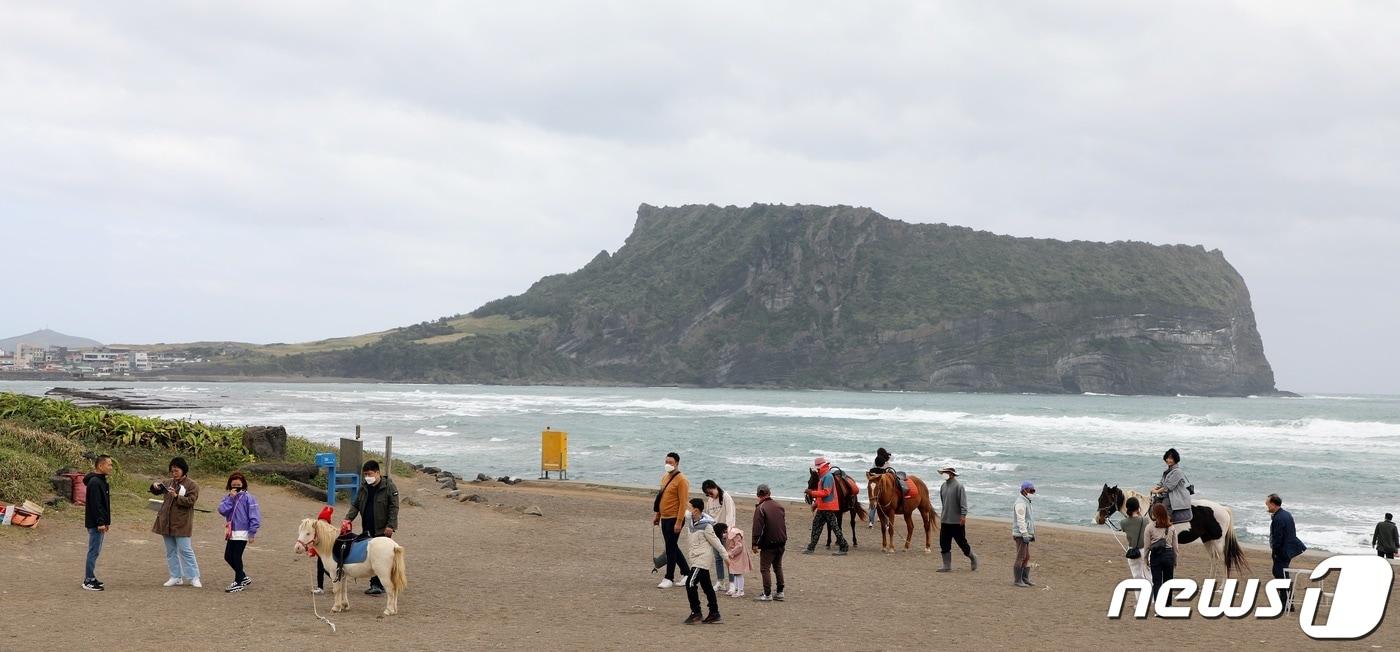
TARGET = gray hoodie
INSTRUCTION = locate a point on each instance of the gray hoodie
(954, 499)
(1178, 496)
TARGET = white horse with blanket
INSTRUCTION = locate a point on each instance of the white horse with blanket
(383, 558)
(1211, 522)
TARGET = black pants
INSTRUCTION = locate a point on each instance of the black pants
(321, 573)
(951, 532)
(771, 559)
(674, 557)
(1163, 565)
(1281, 563)
(233, 554)
(822, 518)
(699, 578)
(1387, 555)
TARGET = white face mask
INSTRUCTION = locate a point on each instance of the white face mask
(371, 479)
(670, 467)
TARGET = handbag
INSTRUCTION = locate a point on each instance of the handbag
(1133, 553)
(228, 524)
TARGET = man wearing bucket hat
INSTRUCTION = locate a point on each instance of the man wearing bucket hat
(1023, 532)
(828, 508)
(954, 524)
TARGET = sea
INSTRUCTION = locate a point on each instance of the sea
(1334, 459)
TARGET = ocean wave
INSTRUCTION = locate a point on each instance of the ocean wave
(499, 439)
(434, 433)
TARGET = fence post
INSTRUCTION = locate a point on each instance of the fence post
(389, 456)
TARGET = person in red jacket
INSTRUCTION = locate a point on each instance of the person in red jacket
(828, 508)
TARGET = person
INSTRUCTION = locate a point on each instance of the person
(1161, 546)
(738, 560)
(97, 517)
(1284, 544)
(720, 506)
(670, 511)
(240, 509)
(321, 572)
(882, 466)
(1386, 540)
(769, 541)
(1134, 527)
(377, 505)
(175, 523)
(701, 546)
(828, 508)
(954, 499)
(1175, 488)
(1023, 533)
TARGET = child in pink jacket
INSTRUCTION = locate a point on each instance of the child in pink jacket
(739, 561)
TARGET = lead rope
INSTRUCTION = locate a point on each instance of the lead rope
(316, 611)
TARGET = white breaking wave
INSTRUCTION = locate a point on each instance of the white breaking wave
(434, 433)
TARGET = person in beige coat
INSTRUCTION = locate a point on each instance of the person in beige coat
(175, 523)
(701, 547)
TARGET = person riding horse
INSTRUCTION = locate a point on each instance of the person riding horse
(1175, 490)
(882, 466)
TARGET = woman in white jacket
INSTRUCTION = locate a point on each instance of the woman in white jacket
(719, 506)
(701, 548)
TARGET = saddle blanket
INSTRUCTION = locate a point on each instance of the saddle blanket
(351, 551)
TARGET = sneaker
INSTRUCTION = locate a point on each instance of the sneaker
(712, 619)
(808, 551)
(665, 584)
(246, 581)
(317, 591)
(235, 587)
(839, 553)
(98, 582)
(694, 618)
(196, 583)
(92, 585)
(374, 590)
(778, 597)
(174, 581)
(738, 594)
(763, 597)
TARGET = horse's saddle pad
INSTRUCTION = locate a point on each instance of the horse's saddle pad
(350, 549)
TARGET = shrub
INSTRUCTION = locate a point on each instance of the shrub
(23, 475)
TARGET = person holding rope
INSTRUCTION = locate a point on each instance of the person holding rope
(1134, 526)
(377, 505)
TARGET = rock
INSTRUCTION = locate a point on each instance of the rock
(431, 470)
(442, 474)
(447, 483)
(298, 472)
(505, 479)
(534, 510)
(415, 467)
(411, 501)
(454, 493)
(266, 442)
(482, 477)
(516, 480)
(55, 501)
(476, 498)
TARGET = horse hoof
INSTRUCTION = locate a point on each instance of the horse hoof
(928, 551)
(336, 610)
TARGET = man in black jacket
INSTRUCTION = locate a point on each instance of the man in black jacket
(1283, 537)
(377, 505)
(97, 517)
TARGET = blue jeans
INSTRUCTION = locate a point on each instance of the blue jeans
(179, 556)
(94, 549)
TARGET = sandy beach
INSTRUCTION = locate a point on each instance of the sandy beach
(486, 576)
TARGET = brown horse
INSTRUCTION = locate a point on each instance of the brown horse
(884, 499)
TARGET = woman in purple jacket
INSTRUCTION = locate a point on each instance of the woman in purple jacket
(241, 511)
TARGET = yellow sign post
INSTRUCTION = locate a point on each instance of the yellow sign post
(554, 453)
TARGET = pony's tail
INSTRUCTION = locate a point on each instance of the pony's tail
(398, 577)
(1234, 556)
(859, 511)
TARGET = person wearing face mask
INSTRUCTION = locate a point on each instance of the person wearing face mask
(240, 509)
(954, 526)
(669, 510)
(175, 523)
(377, 505)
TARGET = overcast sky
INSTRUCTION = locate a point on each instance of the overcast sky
(273, 171)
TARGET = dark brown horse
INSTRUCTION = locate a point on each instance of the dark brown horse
(848, 495)
(884, 499)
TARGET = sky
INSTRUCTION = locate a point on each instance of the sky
(280, 172)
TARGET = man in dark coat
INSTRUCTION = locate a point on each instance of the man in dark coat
(769, 541)
(1283, 537)
(97, 517)
(377, 505)
(1386, 540)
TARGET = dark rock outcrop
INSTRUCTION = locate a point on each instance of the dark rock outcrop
(266, 442)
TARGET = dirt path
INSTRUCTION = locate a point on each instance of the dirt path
(487, 577)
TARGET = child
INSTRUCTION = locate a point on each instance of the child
(738, 558)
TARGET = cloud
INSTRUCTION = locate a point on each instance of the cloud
(272, 172)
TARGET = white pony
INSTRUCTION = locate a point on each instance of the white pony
(384, 559)
(1223, 549)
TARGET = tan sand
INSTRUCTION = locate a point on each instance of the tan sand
(488, 577)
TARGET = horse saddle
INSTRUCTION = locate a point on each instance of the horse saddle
(910, 491)
(350, 549)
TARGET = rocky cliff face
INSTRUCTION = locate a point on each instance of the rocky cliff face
(844, 297)
(813, 296)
